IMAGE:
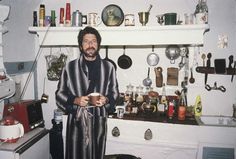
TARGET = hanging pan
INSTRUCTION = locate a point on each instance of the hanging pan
(124, 61)
(107, 59)
(152, 58)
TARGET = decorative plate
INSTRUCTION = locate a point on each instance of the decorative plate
(112, 15)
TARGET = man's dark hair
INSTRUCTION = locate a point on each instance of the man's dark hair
(89, 30)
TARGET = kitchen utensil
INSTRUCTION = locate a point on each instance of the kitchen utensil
(143, 17)
(152, 58)
(220, 66)
(129, 20)
(124, 61)
(231, 60)
(183, 53)
(107, 59)
(172, 53)
(55, 65)
(149, 9)
(147, 81)
(232, 78)
(203, 59)
(221, 88)
(172, 76)
(10, 130)
(44, 97)
(160, 19)
(94, 19)
(112, 15)
(170, 18)
(208, 65)
(159, 76)
(93, 98)
(191, 79)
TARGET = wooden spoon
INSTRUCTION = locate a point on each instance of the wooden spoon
(203, 58)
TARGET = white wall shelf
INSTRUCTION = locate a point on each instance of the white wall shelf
(118, 36)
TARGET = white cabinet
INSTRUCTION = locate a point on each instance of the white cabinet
(170, 141)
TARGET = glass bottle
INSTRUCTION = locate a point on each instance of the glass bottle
(42, 15)
(128, 93)
(35, 19)
(163, 95)
(182, 107)
(201, 12)
(139, 97)
(53, 18)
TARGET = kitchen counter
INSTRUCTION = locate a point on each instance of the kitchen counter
(36, 140)
(155, 117)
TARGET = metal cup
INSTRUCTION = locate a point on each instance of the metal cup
(120, 112)
(143, 17)
(78, 19)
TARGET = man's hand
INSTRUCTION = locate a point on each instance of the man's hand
(81, 101)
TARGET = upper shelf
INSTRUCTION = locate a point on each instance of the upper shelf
(119, 36)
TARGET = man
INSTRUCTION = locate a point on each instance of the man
(87, 125)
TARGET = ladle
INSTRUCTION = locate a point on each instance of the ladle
(147, 81)
(191, 79)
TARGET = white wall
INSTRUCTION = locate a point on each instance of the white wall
(19, 46)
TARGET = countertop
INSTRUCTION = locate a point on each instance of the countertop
(156, 117)
(29, 137)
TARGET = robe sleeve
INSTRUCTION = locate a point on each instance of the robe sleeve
(113, 92)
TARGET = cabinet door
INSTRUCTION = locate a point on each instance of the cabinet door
(37, 150)
(151, 150)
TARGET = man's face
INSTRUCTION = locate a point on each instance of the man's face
(90, 46)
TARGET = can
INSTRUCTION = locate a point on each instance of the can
(75, 18)
(42, 15)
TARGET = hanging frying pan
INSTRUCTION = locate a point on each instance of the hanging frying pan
(124, 61)
(152, 58)
(107, 59)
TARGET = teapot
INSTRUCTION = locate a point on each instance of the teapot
(10, 130)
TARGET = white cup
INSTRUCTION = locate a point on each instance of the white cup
(94, 19)
(129, 20)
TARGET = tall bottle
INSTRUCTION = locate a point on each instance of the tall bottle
(42, 15)
(163, 94)
(201, 12)
(182, 107)
(198, 106)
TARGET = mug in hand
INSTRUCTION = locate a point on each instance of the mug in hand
(93, 98)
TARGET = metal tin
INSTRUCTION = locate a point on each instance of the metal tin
(78, 19)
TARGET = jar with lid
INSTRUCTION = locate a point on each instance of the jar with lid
(153, 98)
(139, 97)
(128, 92)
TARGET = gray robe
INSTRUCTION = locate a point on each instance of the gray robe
(86, 127)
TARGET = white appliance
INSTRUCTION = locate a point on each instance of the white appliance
(33, 145)
(7, 85)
